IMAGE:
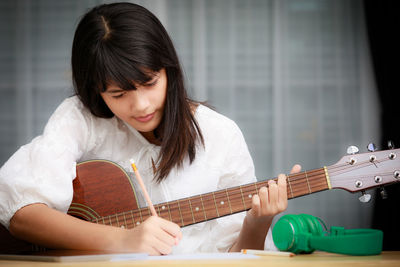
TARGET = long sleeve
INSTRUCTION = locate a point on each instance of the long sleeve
(43, 170)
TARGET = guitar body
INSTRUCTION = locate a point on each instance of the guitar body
(101, 188)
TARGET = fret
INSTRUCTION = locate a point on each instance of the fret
(186, 211)
(202, 204)
(163, 211)
(290, 187)
(191, 210)
(141, 217)
(169, 212)
(241, 193)
(198, 209)
(173, 208)
(180, 213)
(117, 221)
(299, 185)
(248, 193)
(235, 199)
(138, 216)
(157, 208)
(133, 219)
(109, 218)
(318, 182)
(215, 203)
(209, 206)
(255, 186)
(146, 213)
(308, 183)
(104, 223)
(125, 223)
(229, 201)
(222, 203)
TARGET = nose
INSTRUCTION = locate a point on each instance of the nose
(139, 100)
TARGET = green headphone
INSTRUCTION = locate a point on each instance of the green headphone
(303, 233)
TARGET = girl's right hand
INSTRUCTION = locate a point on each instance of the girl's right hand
(154, 236)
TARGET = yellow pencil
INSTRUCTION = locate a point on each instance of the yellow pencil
(146, 195)
(267, 252)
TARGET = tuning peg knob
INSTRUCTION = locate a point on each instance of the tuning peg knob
(351, 150)
(383, 193)
(371, 147)
(390, 144)
(364, 197)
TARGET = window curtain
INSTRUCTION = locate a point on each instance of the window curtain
(294, 74)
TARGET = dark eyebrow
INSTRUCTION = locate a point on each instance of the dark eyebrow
(114, 90)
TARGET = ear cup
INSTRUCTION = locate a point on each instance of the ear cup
(314, 226)
(303, 233)
(291, 233)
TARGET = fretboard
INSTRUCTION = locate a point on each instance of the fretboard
(204, 207)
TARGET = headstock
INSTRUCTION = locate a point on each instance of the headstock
(359, 172)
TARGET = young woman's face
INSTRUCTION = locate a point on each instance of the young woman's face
(142, 108)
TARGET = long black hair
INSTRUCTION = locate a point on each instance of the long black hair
(119, 43)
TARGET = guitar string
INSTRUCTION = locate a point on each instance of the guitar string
(232, 196)
(169, 204)
(295, 177)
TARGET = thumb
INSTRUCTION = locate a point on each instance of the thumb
(295, 169)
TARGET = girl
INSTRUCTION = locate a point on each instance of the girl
(131, 103)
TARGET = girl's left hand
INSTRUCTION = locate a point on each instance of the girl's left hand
(270, 201)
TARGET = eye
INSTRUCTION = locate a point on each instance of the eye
(119, 95)
(152, 83)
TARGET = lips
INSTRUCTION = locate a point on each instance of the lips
(145, 118)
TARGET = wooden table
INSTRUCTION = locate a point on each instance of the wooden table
(320, 259)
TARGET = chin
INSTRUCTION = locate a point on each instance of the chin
(145, 129)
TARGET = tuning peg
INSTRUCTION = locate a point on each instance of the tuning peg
(351, 150)
(371, 147)
(364, 197)
(383, 193)
(390, 144)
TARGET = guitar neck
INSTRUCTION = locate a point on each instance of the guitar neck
(204, 207)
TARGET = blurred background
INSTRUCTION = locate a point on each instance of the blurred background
(298, 76)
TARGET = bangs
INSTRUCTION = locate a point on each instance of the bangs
(114, 67)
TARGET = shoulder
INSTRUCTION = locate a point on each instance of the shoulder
(210, 120)
(70, 112)
(71, 105)
(218, 131)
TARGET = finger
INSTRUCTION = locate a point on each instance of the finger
(272, 192)
(282, 192)
(263, 196)
(295, 169)
(161, 247)
(171, 228)
(255, 205)
(164, 236)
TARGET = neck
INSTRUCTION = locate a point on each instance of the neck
(151, 137)
(204, 207)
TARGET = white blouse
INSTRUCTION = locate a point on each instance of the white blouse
(43, 170)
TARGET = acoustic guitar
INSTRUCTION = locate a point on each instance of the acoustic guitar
(104, 194)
